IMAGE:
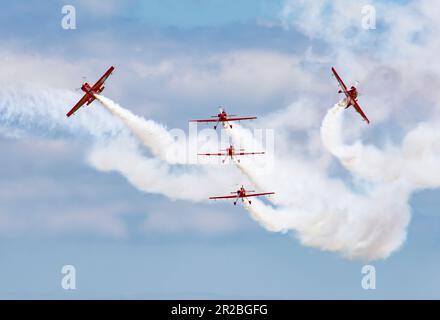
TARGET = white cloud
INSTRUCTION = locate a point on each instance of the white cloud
(326, 212)
(250, 74)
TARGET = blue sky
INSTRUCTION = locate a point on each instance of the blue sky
(174, 61)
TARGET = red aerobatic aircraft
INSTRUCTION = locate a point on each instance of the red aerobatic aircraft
(224, 118)
(90, 91)
(350, 94)
(230, 152)
(243, 194)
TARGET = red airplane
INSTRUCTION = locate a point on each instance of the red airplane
(90, 91)
(224, 118)
(230, 152)
(242, 193)
(351, 95)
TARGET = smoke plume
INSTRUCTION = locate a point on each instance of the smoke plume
(366, 220)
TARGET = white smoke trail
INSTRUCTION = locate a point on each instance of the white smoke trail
(368, 223)
(367, 228)
(34, 110)
(369, 164)
(256, 169)
(322, 212)
(41, 110)
(172, 146)
(415, 162)
(158, 139)
(149, 132)
(265, 215)
(152, 175)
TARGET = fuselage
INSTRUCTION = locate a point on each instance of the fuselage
(241, 193)
(222, 116)
(352, 92)
(90, 91)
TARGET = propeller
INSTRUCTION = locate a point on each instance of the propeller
(84, 79)
(356, 84)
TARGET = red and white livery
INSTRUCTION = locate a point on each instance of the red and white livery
(242, 194)
(224, 118)
(90, 91)
(230, 152)
(350, 96)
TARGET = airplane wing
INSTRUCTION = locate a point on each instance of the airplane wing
(247, 153)
(212, 154)
(80, 103)
(101, 81)
(341, 83)
(241, 118)
(227, 119)
(224, 197)
(359, 110)
(204, 120)
(259, 194)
